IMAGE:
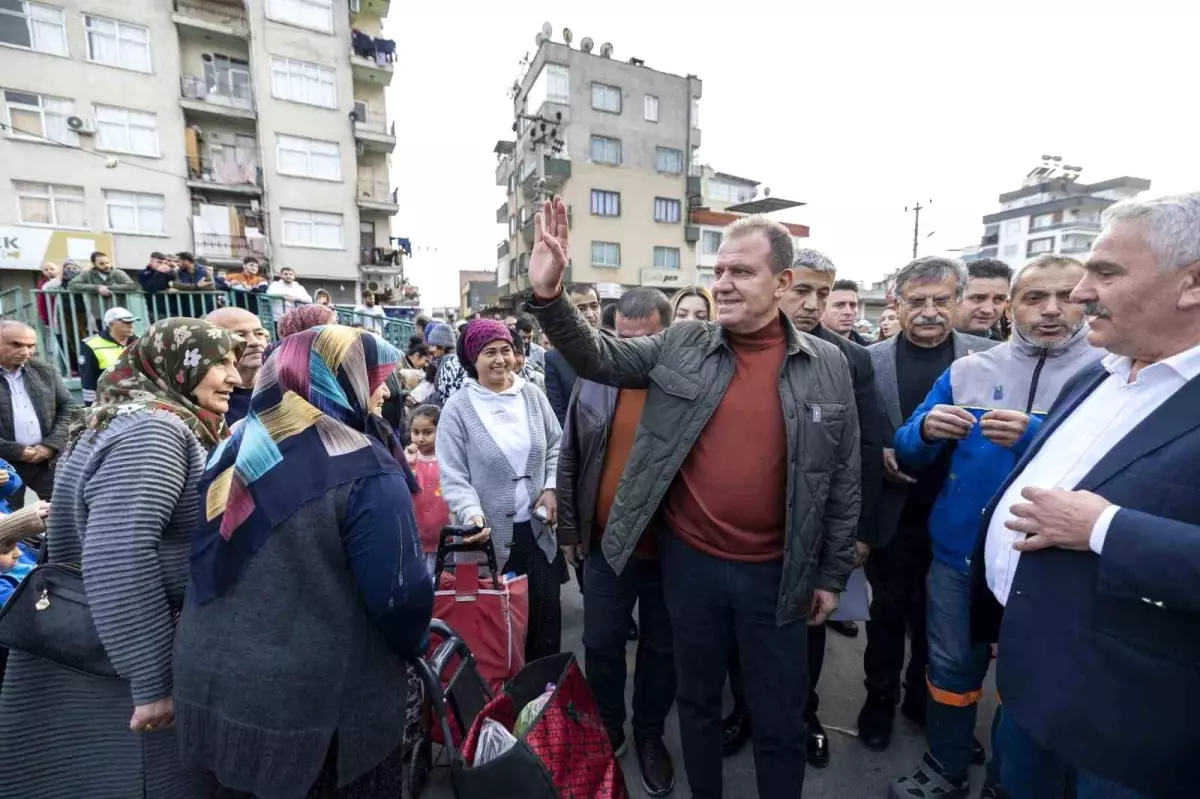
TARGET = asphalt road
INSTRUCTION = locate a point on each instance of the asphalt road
(854, 771)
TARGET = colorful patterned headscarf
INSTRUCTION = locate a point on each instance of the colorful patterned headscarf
(160, 371)
(305, 317)
(307, 431)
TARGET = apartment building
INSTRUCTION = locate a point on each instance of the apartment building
(229, 128)
(1052, 212)
(629, 132)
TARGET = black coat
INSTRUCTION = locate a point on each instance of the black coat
(560, 382)
(871, 425)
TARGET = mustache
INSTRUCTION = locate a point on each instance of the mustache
(929, 320)
(1096, 310)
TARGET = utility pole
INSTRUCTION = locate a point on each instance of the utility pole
(916, 209)
(544, 135)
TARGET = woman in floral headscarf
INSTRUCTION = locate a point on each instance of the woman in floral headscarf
(126, 513)
(306, 571)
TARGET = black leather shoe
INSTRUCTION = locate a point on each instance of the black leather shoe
(978, 755)
(658, 772)
(818, 745)
(735, 731)
(846, 628)
(875, 721)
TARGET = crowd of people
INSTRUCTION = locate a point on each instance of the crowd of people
(255, 509)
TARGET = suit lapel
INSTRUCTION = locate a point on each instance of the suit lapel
(884, 357)
(1169, 421)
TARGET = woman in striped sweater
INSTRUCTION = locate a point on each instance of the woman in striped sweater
(126, 511)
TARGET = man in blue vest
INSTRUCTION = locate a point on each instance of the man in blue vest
(101, 350)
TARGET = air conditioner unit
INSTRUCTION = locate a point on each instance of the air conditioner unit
(374, 287)
(81, 125)
(691, 234)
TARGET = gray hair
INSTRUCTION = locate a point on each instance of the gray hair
(1042, 262)
(8, 324)
(1172, 226)
(643, 303)
(932, 269)
(778, 237)
(807, 258)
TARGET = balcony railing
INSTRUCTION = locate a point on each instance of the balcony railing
(381, 257)
(375, 122)
(218, 13)
(377, 191)
(232, 95)
(216, 245)
(239, 170)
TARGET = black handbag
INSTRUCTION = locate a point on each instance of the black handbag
(48, 616)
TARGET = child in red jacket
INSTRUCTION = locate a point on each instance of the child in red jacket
(430, 509)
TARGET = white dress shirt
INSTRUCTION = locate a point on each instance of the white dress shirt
(27, 430)
(1111, 412)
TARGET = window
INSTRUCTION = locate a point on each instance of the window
(666, 257)
(606, 253)
(553, 85)
(606, 203)
(695, 112)
(308, 229)
(37, 117)
(1039, 246)
(606, 150)
(729, 192)
(302, 82)
(228, 77)
(1042, 220)
(710, 242)
(666, 210)
(33, 26)
(126, 130)
(314, 14)
(651, 108)
(668, 160)
(309, 158)
(606, 98)
(117, 44)
(49, 204)
(128, 212)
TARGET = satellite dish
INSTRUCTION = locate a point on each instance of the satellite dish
(547, 29)
(605, 50)
(567, 35)
(541, 37)
(586, 44)
(767, 191)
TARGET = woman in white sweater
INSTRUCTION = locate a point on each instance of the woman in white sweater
(497, 443)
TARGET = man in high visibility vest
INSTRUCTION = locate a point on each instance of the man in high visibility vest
(101, 350)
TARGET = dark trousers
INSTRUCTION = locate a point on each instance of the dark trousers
(897, 576)
(546, 577)
(607, 614)
(713, 605)
(37, 477)
(816, 661)
(1030, 771)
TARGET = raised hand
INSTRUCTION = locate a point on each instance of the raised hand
(548, 261)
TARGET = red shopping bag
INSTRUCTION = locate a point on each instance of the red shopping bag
(491, 620)
(565, 753)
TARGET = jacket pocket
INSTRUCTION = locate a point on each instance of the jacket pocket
(824, 425)
(665, 417)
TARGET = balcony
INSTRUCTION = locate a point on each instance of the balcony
(371, 59)
(502, 251)
(502, 213)
(238, 174)
(218, 248)
(503, 168)
(222, 101)
(381, 261)
(376, 196)
(374, 133)
(558, 171)
(202, 19)
(990, 241)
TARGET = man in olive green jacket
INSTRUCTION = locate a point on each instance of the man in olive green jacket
(748, 447)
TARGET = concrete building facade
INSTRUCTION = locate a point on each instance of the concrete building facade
(228, 128)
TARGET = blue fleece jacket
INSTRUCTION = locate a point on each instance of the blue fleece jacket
(1016, 375)
(11, 487)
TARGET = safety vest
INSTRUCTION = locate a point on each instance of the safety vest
(106, 350)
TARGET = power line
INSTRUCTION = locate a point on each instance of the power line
(75, 148)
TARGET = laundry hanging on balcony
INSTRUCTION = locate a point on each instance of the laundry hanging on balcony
(381, 51)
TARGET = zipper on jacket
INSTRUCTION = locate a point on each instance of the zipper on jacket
(1033, 385)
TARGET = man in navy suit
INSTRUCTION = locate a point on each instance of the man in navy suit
(1093, 544)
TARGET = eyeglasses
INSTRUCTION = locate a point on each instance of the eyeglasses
(923, 302)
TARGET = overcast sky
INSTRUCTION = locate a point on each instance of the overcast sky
(855, 114)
